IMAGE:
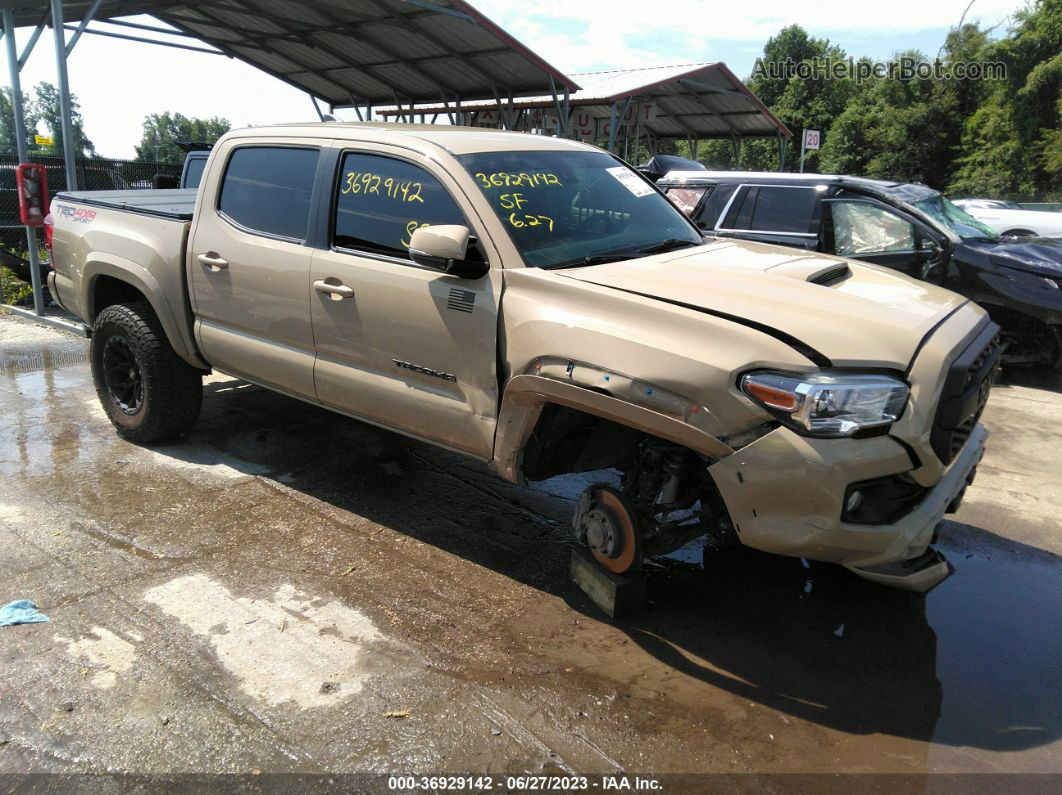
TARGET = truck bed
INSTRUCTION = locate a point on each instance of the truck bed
(175, 203)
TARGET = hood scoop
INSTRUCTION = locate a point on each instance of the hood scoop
(813, 270)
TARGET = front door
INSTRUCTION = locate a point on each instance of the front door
(868, 231)
(398, 344)
(249, 265)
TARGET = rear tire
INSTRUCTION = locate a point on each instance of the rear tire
(1018, 233)
(149, 392)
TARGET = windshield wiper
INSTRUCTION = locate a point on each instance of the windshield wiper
(593, 259)
(671, 244)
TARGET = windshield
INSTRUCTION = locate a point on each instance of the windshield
(577, 208)
(947, 214)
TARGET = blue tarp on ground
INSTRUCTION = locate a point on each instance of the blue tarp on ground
(21, 611)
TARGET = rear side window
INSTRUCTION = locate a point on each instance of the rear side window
(773, 208)
(381, 201)
(193, 174)
(267, 189)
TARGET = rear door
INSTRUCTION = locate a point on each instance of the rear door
(398, 344)
(787, 215)
(249, 263)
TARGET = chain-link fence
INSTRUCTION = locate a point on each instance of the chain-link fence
(92, 174)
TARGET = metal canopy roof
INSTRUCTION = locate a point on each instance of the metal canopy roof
(704, 100)
(350, 52)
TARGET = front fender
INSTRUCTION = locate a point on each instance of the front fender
(526, 395)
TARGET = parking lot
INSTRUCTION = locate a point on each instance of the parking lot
(286, 590)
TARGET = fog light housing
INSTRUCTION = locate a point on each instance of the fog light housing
(882, 500)
(853, 502)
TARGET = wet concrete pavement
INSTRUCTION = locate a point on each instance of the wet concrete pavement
(289, 590)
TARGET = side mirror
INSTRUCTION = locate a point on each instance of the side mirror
(444, 248)
(929, 245)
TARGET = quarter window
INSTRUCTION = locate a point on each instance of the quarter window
(864, 228)
(381, 201)
(686, 199)
(267, 189)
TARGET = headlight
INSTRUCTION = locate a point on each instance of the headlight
(828, 404)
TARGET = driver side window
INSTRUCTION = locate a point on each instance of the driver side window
(860, 227)
(381, 201)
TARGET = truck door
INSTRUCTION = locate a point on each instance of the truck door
(249, 264)
(398, 344)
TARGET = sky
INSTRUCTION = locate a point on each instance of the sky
(118, 83)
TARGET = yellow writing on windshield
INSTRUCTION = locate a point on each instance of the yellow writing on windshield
(505, 179)
(527, 220)
(356, 182)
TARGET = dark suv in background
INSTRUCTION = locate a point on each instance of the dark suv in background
(903, 226)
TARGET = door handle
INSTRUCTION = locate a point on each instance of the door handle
(214, 263)
(337, 291)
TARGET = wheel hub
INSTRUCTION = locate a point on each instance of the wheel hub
(605, 523)
(122, 375)
(601, 532)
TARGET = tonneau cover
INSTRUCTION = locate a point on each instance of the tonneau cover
(176, 203)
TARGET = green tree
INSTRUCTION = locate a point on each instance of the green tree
(50, 114)
(8, 143)
(1011, 143)
(162, 131)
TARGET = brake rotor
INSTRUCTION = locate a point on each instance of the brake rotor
(607, 525)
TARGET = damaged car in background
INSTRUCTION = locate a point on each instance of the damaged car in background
(907, 227)
(537, 304)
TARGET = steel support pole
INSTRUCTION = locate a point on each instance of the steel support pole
(23, 155)
(612, 122)
(64, 95)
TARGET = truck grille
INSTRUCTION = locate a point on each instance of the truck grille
(965, 393)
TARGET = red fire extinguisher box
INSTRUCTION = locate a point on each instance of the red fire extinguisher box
(32, 193)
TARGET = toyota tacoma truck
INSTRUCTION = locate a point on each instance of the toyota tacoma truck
(539, 305)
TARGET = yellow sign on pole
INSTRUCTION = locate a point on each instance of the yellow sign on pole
(43, 140)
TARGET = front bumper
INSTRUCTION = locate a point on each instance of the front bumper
(784, 493)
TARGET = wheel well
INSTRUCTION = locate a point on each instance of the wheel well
(1019, 233)
(1031, 340)
(567, 440)
(107, 291)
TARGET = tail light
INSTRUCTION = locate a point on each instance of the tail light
(49, 229)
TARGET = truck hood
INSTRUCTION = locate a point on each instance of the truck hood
(834, 311)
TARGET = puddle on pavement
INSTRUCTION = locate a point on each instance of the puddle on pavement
(31, 360)
(974, 663)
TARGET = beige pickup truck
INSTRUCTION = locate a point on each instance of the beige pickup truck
(537, 304)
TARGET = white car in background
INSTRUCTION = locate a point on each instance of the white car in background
(1007, 218)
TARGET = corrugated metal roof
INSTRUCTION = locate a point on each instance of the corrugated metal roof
(351, 51)
(702, 100)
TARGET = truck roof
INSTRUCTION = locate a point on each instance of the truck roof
(454, 139)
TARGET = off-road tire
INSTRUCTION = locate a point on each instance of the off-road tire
(170, 390)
